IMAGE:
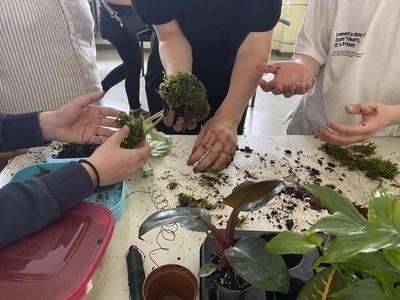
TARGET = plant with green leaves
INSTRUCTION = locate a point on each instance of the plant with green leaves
(247, 257)
(361, 259)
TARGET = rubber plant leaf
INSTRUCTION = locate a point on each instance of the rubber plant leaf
(335, 202)
(258, 267)
(361, 289)
(322, 285)
(376, 265)
(207, 270)
(293, 243)
(337, 224)
(372, 238)
(251, 196)
(171, 216)
(384, 207)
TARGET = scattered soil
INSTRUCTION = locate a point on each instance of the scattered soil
(75, 150)
(228, 278)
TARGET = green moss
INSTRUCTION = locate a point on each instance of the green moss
(187, 95)
(359, 157)
(172, 185)
(241, 221)
(136, 130)
(187, 200)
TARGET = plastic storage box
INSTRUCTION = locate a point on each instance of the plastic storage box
(113, 196)
(59, 261)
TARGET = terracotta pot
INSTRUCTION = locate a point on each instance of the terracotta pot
(170, 282)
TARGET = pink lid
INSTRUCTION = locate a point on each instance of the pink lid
(60, 260)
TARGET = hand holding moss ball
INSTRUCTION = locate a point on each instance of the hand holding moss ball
(186, 96)
(136, 131)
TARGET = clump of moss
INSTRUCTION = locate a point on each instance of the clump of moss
(360, 157)
(186, 95)
(136, 134)
(187, 200)
(241, 221)
(172, 185)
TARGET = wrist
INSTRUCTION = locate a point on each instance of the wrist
(48, 125)
(91, 173)
(394, 114)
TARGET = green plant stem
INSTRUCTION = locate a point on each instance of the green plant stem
(158, 117)
(230, 228)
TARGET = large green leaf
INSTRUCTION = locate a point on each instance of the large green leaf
(251, 196)
(264, 270)
(376, 265)
(322, 285)
(372, 238)
(384, 207)
(337, 224)
(335, 202)
(174, 215)
(293, 243)
(393, 256)
(361, 289)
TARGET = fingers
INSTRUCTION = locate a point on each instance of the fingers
(179, 124)
(201, 146)
(109, 112)
(212, 157)
(265, 85)
(364, 128)
(340, 140)
(107, 122)
(119, 136)
(88, 99)
(169, 118)
(193, 125)
(105, 132)
(364, 108)
(268, 68)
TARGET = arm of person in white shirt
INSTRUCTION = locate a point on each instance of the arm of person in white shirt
(375, 116)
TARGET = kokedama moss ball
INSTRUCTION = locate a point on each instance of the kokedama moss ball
(136, 131)
(187, 95)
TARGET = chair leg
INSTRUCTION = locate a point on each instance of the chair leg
(253, 100)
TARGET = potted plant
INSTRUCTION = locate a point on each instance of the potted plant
(361, 259)
(239, 264)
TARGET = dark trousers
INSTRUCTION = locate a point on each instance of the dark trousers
(127, 45)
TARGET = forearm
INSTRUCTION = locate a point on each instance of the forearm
(307, 61)
(244, 80)
(20, 131)
(175, 50)
(26, 207)
(395, 114)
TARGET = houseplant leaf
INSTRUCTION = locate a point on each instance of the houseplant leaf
(372, 238)
(322, 285)
(376, 265)
(254, 195)
(393, 256)
(337, 224)
(293, 243)
(264, 270)
(335, 202)
(384, 207)
(173, 215)
(361, 289)
(207, 270)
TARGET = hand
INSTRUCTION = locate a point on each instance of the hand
(215, 146)
(114, 163)
(290, 78)
(79, 122)
(375, 116)
(169, 119)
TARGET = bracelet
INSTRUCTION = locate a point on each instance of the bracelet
(94, 170)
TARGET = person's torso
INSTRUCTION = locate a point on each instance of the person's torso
(363, 64)
(47, 54)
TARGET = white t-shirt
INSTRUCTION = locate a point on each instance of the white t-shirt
(47, 54)
(357, 43)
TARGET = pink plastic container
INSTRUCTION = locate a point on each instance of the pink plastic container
(59, 261)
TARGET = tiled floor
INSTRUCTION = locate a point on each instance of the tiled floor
(264, 119)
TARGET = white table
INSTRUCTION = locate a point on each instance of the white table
(184, 248)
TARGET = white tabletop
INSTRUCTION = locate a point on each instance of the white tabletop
(183, 246)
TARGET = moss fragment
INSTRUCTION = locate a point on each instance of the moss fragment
(187, 200)
(136, 130)
(241, 221)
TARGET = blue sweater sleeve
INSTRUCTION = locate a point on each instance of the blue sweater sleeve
(26, 207)
(20, 131)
